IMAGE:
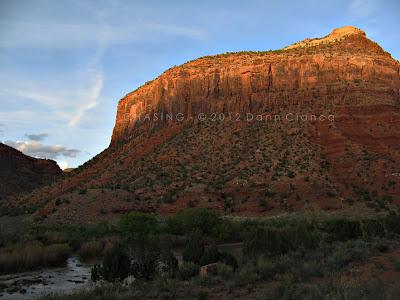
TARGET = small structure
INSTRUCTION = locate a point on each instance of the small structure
(204, 270)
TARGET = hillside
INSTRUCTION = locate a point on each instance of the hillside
(163, 157)
(20, 174)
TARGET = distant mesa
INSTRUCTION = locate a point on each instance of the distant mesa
(21, 174)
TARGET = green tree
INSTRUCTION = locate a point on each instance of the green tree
(194, 249)
(115, 266)
(136, 225)
(200, 219)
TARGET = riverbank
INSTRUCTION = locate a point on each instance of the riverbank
(32, 285)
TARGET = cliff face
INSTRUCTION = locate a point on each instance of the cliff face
(242, 167)
(341, 69)
(20, 174)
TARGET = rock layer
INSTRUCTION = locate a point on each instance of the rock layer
(344, 68)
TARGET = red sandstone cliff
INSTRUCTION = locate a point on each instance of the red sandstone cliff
(343, 68)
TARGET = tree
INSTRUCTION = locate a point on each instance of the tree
(200, 219)
(137, 225)
(194, 249)
(115, 266)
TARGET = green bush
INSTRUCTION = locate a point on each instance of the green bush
(195, 219)
(91, 249)
(169, 262)
(188, 270)
(213, 255)
(380, 245)
(392, 223)
(307, 270)
(115, 266)
(136, 225)
(274, 241)
(347, 252)
(266, 269)
(228, 259)
(224, 270)
(210, 255)
(229, 230)
(145, 255)
(396, 264)
(372, 227)
(74, 235)
(246, 275)
(342, 230)
(194, 249)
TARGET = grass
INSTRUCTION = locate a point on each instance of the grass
(33, 256)
(106, 291)
(91, 249)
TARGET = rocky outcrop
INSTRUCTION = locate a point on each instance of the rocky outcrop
(344, 68)
(20, 174)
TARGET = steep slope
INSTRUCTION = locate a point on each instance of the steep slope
(221, 131)
(20, 174)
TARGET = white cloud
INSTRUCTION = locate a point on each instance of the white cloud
(37, 149)
(63, 164)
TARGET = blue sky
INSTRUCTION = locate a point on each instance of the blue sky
(65, 64)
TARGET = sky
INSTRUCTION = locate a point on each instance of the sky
(64, 65)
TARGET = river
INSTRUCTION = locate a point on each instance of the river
(31, 285)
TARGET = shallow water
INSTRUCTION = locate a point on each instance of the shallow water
(31, 285)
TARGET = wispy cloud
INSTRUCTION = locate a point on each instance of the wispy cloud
(66, 106)
(63, 102)
(73, 36)
(39, 150)
(27, 117)
(90, 98)
(67, 102)
(39, 96)
(37, 137)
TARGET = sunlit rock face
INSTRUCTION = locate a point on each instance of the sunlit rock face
(343, 69)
